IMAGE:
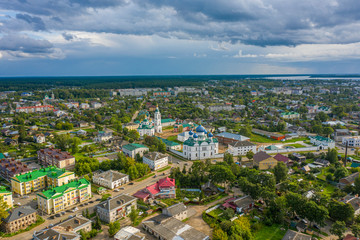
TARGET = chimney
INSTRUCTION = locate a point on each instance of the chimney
(77, 221)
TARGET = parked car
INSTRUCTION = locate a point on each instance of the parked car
(131, 183)
(116, 190)
(122, 188)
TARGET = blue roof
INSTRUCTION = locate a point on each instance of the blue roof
(195, 135)
(200, 129)
(191, 133)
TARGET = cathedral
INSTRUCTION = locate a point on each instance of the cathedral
(148, 127)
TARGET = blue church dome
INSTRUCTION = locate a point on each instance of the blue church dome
(210, 135)
(195, 135)
(200, 129)
(191, 133)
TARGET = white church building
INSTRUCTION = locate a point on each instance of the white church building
(149, 128)
(200, 145)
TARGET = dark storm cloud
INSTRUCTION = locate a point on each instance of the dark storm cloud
(68, 36)
(17, 43)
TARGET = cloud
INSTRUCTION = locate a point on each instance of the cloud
(36, 22)
(241, 55)
(68, 36)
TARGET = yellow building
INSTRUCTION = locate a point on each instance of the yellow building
(264, 161)
(59, 198)
(39, 179)
(7, 196)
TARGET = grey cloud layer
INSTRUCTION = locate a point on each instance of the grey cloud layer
(252, 22)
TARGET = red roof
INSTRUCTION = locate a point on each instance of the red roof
(281, 158)
(140, 194)
(153, 189)
(350, 237)
(167, 182)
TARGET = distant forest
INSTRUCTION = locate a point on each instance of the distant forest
(115, 82)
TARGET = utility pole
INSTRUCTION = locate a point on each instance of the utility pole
(346, 149)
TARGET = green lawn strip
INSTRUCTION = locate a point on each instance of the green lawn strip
(164, 169)
(144, 177)
(272, 232)
(262, 139)
(172, 138)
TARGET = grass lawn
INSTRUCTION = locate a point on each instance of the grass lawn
(215, 213)
(144, 177)
(273, 232)
(296, 145)
(172, 138)
(164, 169)
(328, 190)
(262, 139)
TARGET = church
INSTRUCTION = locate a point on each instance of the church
(149, 128)
(200, 145)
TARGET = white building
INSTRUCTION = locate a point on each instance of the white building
(157, 120)
(323, 142)
(39, 138)
(134, 148)
(84, 106)
(156, 160)
(110, 179)
(353, 141)
(241, 148)
(149, 128)
(129, 233)
(103, 136)
(96, 105)
(182, 137)
(200, 145)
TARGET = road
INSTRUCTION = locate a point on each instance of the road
(137, 112)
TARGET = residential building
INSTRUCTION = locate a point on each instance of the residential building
(227, 138)
(96, 105)
(55, 157)
(38, 179)
(7, 196)
(218, 108)
(131, 126)
(115, 208)
(348, 180)
(298, 157)
(10, 167)
(132, 149)
(321, 162)
(18, 219)
(355, 203)
(110, 179)
(170, 144)
(169, 225)
(209, 188)
(155, 160)
(103, 137)
(59, 198)
(293, 235)
(290, 115)
(68, 229)
(281, 158)
(39, 138)
(300, 131)
(353, 141)
(264, 161)
(129, 233)
(161, 93)
(322, 142)
(84, 106)
(164, 188)
(200, 145)
(239, 205)
(241, 148)
(35, 109)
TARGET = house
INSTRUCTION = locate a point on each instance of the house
(131, 126)
(134, 148)
(293, 235)
(68, 229)
(264, 161)
(129, 233)
(9, 141)
(169, 225)
(339, 134)
(103, 137)
(81, 132)
(349, 179)
(82, 124)
(110, 179)
(322, 142)
(7, 196)
(164, 188)
(353, 141)
(239, 205)
(241, 148)
(38, 179)
(10, 167)
(209, 188)
(84, 106)
(271, 148)
(300, 131)
(115, 208)
(281, 158)
(290, 115)
(55, 157)
(155, 160)
(298, 157)
(39, 138)
(306, 168)
(227, 138)
(322, 162)
(57, 199)
(18, 219)
(355, 203)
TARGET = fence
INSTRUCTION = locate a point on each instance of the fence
(288, 150)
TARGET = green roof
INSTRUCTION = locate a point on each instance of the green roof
(51, 171)
(322, 139)
(145, 127)
(4, 190)
(288, 113)
(355, 164)
(2, 156)
(168, 142)
(191, 141)
(272, 147)
(133, 146)
(59, 191)
(166, 120)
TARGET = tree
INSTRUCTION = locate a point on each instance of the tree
(250, 155)
(340, 173)
(3, 207)
(357, 185)
(133, 172)
(338, 228)
(219, 234)
(133, 215)
(341, 211)
(332, 155)
(228, 213)
(316, 213)
(228, 158)
(97, 223)
(75, 145)
(114, 227)
(317, 129)
(280, 172)
(241, 229)
(221, 174)
(355, 229)
(327, 131)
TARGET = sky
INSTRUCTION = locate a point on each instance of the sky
(172, 37)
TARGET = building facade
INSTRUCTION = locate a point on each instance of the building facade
(7, 196)
(55, 157)
(322, 142)
(18, 219)
(241, 148)
(62, 197)
(110, 179)
(155, 160)
(115, 208)
(164, 188)
(134, 148)
(36, 180)
(200, 145)
(353, 141)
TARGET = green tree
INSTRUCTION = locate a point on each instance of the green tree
(221, 174)
(97, 223)
(357, 185)
(3, 207)
(228, 213)
(114, 227)
(280, 172)
(250, 155)
(338, 228)
(327, 131)
(316, 213)
(228, 158)
(219, 234)
(355, 229)
(340, 173)
(341, 211)
(133, 215)
(133, 172)
(75, 145)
